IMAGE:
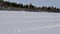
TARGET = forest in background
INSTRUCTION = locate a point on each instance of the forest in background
(6, 5)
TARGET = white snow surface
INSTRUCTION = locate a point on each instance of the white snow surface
(21, 22)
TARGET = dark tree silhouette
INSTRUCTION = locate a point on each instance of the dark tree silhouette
(31, 6)
(20, 5)
(26, 6)
(49, 8)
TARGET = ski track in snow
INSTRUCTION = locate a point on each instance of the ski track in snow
(42, 27)
(32, 29)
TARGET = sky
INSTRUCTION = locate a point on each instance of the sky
(54, 3)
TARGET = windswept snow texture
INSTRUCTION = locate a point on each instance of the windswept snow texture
(21, 22)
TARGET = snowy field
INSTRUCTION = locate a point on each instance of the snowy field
(15, 22)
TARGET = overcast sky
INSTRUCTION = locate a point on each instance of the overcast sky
(55, 3)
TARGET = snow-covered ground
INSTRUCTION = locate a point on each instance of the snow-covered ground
(17, 22)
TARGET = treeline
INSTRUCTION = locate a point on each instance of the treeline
(12, 4)
(28, 7)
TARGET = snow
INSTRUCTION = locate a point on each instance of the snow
(21, 22)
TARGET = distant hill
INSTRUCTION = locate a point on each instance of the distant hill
(12, 6)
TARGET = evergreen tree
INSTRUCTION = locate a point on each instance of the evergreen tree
(25, 6)
(31, 6)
